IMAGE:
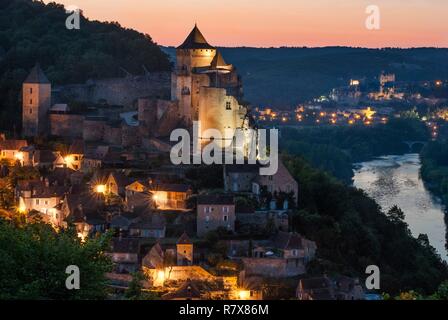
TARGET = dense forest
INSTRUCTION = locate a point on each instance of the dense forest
(352, 232)
(335, 149)
(31, 32)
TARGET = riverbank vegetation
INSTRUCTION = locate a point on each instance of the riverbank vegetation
(334, 149)
(434, 171)
(352, 232)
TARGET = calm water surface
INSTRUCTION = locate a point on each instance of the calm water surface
(395, 180)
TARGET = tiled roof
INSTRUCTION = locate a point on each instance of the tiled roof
(125, 245)
(172, 187)
(149, 221)
(288, 240)
(218, 199)
(44, 156)
(13, 144)
(77, 147)
(188, 290)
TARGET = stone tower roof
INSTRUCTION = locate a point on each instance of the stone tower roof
(195, 40)
(37, 76)
(184, 239)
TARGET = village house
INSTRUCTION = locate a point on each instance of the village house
(39, 195)
(245, 178)
(87, 220)
(124, 253)
(11, 150)
(137, 194)
(148, 225)
(324, 288)
(286, 254)
(170, 196)
(116, 183)
(282, 181)
(75, 155)
(122, 221)
(249, 220)
(48, 159)
(239, 177)
(213, 212)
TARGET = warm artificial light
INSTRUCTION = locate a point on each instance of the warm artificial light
(101, 188)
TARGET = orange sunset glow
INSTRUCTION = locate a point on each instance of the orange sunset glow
(265, 23)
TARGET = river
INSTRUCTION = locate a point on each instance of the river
(395, 180)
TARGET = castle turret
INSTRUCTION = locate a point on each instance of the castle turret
(36, 93)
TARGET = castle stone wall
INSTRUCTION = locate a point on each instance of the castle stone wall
(118, 91)
(66, 125)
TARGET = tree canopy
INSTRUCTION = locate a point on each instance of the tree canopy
(34, 258)
(31, 32)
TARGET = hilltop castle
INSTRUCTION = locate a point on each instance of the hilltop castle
(203, 88)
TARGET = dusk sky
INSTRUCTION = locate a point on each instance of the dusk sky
(264, 23)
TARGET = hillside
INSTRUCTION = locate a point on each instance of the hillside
(286, 76)
(31, 32)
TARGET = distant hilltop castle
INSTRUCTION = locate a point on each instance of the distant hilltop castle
(203, 88)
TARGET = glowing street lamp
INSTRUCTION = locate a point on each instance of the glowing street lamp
(243, 294)
(101, 188)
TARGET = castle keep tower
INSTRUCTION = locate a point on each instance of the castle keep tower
(207, 89)
(36, 103)
(193, 53)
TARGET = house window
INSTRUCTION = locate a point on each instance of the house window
(228, 105)
(225, 217)
(31, 110)
(46, 202)
(31, 90)
(37, 201)
(225, 209)
(207, 218)
(31, 101)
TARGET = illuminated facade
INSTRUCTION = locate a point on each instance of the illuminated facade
(208, 89)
